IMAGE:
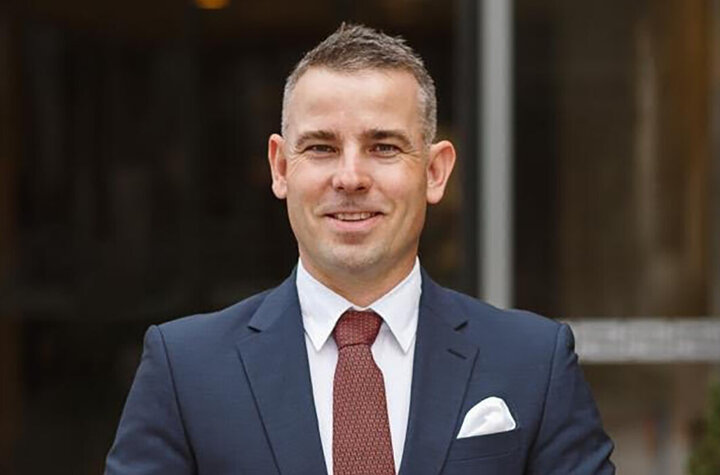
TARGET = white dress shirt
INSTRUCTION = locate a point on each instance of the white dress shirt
(393, 350)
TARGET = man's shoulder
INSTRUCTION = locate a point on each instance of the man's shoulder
(212, 326)
(488, 325)
(481, 312)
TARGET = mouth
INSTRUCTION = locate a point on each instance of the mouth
(353, 223)
(353, 216)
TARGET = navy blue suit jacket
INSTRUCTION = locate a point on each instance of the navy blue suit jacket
(230, 393)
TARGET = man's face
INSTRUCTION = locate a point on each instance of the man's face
(355, 171)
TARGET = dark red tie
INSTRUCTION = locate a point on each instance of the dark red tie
(361, 431)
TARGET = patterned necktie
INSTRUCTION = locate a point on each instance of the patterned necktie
(361, 431)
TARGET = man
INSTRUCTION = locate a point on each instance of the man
(358, 362)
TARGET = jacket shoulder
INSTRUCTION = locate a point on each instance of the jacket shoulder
(213, 326)
(480, 311)
(512, 331)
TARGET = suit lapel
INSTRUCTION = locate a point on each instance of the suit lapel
(275, 361)
(443, 363)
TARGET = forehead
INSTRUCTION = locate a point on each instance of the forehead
(370, 98)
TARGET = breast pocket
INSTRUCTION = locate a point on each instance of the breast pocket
(493, 454)
(491, 445)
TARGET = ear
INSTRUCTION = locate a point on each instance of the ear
(278, 165)
(440, 165)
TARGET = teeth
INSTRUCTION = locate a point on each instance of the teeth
(353, 216)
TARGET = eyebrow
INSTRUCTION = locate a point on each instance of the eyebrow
(371, 134)
(384, 134)
(325, 135)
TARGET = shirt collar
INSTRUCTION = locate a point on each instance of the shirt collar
(321, 307)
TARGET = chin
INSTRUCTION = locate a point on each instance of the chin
(352, 259)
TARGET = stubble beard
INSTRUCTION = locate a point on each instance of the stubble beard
(356, 260)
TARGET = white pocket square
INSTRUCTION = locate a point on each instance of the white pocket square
(489, 416)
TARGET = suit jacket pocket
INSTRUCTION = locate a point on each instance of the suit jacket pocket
(491, 445)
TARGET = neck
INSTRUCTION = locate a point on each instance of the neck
(361, 286)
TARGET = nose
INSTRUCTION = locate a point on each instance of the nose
(352, 175)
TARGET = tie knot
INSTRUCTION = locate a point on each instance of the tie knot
(357, 328)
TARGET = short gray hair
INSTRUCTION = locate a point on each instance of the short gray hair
(353, 48)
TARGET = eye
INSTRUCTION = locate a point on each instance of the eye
(385, 150)
(319, 150)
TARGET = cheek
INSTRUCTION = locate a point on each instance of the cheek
(300, 184)
(306, 180)
(409, 191)
(299, 208)
(302, 199)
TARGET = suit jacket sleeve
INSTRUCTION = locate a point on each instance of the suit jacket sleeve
(151, 438)
(571, 438)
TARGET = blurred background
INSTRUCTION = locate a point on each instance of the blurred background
(134, 189)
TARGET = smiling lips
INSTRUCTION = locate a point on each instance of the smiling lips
(356, 216)
(354, 222)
